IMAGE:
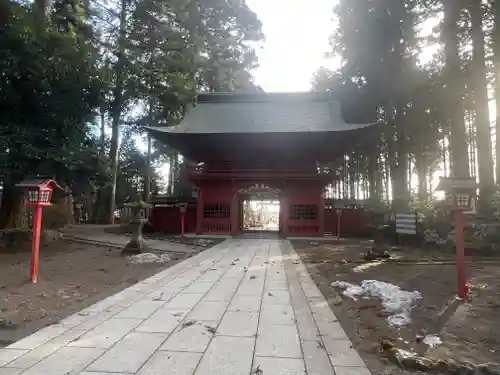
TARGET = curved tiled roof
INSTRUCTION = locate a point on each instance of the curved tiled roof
(262, 113)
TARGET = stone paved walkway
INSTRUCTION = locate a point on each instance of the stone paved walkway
(242, 307)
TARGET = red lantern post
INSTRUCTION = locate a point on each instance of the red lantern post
(460, 194)
(39, 195)
(183, 210)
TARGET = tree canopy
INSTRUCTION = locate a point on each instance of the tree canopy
(79, 78)
(435, 113)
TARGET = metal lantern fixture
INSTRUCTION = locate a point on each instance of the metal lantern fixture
(40, 195)
(462, 201)
(460, 193)
(182, 207)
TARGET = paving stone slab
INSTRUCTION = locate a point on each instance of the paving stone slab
(277, 297)
(96, 319)
(171, 363)
(222, 292)
(140, 309)
(242, 302)
(332, 330)
(106, 334)
(321, 311)
(180, 282)
(162, 321)
(213, 274)
(277, 314)
(165, 293)
(43, 351)
(39, 338)
(251, 287)
(184, 301)
(353, 370)
(208, 311)
(278, 341)
(192, 338)
(342, 353)
(8, 355)
(316, 358)
(76, 319)
(239, 323)
(306, 325)
(276, 285)
(199, 287)
(10, 371)
(66, 361)
(129, 354)
(228, 356)
(280, 366)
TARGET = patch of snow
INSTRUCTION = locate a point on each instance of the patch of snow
(432, 340)
(203, 242)
(148, 258)
(402, 355)
(350, 290)
(365, 266)
(394, 300)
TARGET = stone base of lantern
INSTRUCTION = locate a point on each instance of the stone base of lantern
(136, 244)
(134, 248)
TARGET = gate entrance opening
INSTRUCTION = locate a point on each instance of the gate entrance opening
(260, 215)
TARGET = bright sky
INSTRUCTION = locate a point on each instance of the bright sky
(296, 40)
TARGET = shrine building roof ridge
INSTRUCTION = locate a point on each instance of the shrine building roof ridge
(250, 113)
(262, 97)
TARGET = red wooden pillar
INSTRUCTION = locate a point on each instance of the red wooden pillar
(235, 213)
(321, 213)
(199, 211)
(460, 245)
(284, 216)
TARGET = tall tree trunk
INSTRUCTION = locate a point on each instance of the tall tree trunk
(149, 177)
(400, 177)
(352, 185)
(396, 160)
(171, 167)
(421, 167)
(455, 89)
(496, 40)
(98, 207)
(102, 135)
(175, 176)
(11, 206)
(42, 10)
(482, 123)
(117, 110)
(373, 178)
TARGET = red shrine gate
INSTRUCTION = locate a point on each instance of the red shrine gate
(272, 145)
(220, 197)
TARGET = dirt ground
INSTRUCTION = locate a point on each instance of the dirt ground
(72, 276)
(470, 330)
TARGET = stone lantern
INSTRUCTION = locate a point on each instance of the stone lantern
(136, 244)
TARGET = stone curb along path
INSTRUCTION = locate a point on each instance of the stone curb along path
(154, 245)
(241, 307)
